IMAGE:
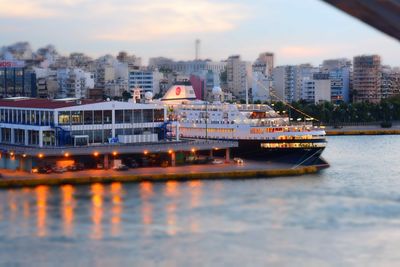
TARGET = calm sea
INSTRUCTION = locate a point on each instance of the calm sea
(347, 215)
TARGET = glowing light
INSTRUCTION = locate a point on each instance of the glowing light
(170, 151)
(66, 155)
(96, 154)
(24, 155)
(40, 155)
(145, 152)
(11, 153)
(115, 153)
(193, 150)
(216, 148)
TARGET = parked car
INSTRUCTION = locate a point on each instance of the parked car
(238, 161)
(164, 164)
(217, 161)
(131, 163)
(121, 167)
(76, 167)
(56, 169)
(44, 170)
(99, 166)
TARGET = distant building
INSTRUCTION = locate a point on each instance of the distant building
(367, 78)
(316, 89)
(264, 64)
(74, 83)
(339, 74)
(186, 67)
(16, 80)
(145, 80)
(284, 83)
(322, 87)
(115, 88)
(239, 76)
(199, 86)
(132, 61)
(390, 82)
(261, 87)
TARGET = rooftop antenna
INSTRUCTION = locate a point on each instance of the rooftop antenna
(197, 48)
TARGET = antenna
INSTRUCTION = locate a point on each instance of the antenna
(197, 48)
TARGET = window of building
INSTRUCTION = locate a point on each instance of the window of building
(158, 115)
(88, 117)
(128, 116)
(147, 115)
(138, 116)
(64, 118)
(98, 117)
(119, 116)
(77, 117)
(107, 117)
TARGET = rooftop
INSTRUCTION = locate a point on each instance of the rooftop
(43, 103)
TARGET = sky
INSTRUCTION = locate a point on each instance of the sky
(306, 31)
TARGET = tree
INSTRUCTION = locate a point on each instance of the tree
(126, 96)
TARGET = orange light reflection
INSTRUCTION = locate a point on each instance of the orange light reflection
(97, 210)
(146, 192)
(41, 207)
(68, 205)
(116, 210)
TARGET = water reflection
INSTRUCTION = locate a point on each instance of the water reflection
(26, 209)
(97, 191)
(68, 206)
(171, 191)
(12, 204)
(195, 188)
(146, 192)
(41, 210)
(117, 209)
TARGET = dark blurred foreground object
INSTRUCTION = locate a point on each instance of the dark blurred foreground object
(383, 15)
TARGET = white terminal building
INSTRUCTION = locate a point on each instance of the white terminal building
(69, 122)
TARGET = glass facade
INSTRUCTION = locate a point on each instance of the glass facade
(27, 117)
(17, 81)
(95, 126)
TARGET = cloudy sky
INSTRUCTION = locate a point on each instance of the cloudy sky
(296, 31)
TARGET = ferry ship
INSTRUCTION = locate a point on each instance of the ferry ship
(260, 131)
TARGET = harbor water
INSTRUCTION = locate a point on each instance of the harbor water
(346, 215)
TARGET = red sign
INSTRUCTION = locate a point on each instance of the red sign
(178, 90)
(11, 64)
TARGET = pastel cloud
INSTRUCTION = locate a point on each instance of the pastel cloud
(138, 20)
(159, 19)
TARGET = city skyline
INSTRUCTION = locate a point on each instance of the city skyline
(317, 30)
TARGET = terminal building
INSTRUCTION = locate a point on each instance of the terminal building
(31, 125)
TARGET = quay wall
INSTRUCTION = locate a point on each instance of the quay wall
(52, 181)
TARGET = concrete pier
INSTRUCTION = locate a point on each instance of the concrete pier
(250, 169)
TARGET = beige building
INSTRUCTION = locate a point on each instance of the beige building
(239, 76)
(264, 64)
(367, 78)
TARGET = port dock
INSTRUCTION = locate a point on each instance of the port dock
(226, 170)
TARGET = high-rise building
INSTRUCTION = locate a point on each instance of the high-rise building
(367, 78)
(317, 88)
(390, 82)
(186, 67)
(239, 76)
(284, 83)
(74, 83)
(16, 80)
(339, 73)
(145, 80)
(264, 64)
